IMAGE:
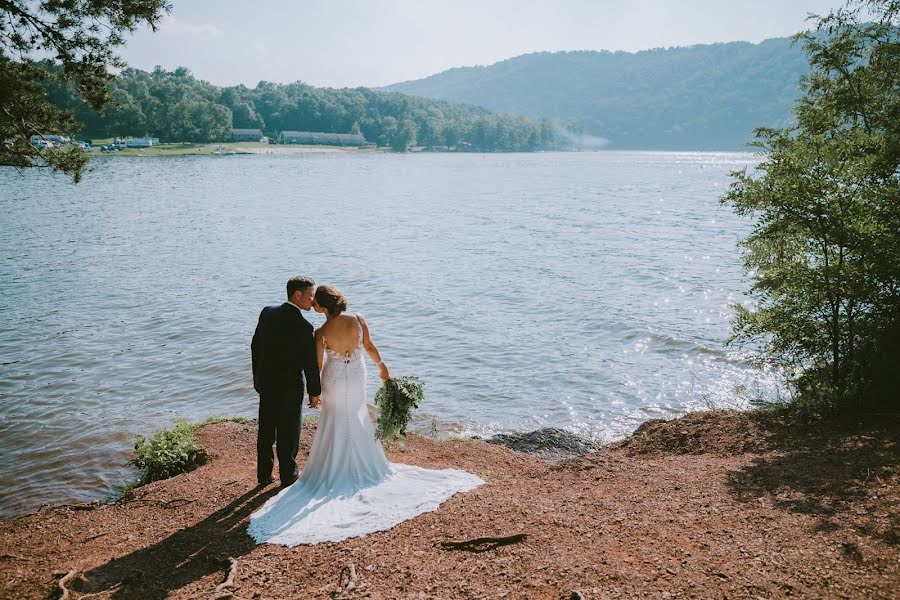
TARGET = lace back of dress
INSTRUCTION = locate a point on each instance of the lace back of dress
(354, 354)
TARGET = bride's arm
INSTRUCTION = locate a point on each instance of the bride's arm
(320, 349)
(372, 350)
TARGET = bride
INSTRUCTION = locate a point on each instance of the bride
(347, 487)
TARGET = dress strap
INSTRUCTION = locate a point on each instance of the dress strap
(359, 328)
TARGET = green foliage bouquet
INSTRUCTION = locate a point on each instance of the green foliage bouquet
(396, 400)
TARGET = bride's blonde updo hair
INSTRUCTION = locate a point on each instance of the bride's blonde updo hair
(331, 299)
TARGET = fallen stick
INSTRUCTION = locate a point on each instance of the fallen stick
(483, 544)
(229, 581)
(14, 557)
(136, 500)
(171, 503)
(65, 581)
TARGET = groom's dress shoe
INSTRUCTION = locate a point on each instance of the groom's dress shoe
(284, 484)
(264, 482)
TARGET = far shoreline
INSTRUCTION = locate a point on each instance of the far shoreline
(226, 149)
(178, 149)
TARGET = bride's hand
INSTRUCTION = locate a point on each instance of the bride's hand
(383, 372)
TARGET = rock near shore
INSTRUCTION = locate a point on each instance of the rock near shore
(548, 443)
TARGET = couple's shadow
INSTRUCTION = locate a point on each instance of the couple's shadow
(183, 557)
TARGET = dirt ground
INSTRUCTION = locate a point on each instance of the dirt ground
(713, 505)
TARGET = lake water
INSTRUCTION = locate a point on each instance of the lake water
(589, 291)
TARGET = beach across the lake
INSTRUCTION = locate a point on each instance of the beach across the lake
(221, 149)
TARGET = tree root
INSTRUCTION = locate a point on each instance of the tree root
(229, 581)
(351, 578)
(65, 581)
(114, 588)
(344, 590)
(177, 502)
(221, 593)
(483, 544)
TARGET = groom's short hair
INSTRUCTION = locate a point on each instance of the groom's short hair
(298, 284)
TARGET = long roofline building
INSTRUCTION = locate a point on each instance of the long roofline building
(321, 138)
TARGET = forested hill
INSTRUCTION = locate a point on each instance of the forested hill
(177, 107)
(704, 97)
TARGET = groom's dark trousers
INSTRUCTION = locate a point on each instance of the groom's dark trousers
(283, 351)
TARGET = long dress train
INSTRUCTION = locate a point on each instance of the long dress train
(347, 487)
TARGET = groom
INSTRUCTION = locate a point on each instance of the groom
(283, 350)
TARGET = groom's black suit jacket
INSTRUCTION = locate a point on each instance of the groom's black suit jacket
(283, 350)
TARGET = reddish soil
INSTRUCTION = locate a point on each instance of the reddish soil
(713, 505)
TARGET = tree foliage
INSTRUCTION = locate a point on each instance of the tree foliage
(703, 97)
(825, 250)
(79, 37)
(175, 106)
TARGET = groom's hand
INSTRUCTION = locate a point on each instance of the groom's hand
(314, 401)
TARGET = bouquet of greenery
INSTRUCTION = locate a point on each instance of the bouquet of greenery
(396, 400)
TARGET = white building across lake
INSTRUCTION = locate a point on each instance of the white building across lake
(246, 135)
(316, 137)
(141, 142)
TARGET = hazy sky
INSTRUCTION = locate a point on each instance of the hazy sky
(377, 42)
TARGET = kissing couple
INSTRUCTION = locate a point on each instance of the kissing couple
(347, 487)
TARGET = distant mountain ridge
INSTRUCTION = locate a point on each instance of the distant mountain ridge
(702, 97)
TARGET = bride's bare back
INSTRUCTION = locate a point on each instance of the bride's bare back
(341, 333)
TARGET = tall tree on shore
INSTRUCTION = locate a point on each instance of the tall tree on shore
(80, 37)
(825, 250)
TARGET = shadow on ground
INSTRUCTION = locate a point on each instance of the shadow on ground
(840, 470)
(182, 558)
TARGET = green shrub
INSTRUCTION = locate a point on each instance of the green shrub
(168, 452)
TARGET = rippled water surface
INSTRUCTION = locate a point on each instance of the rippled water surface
(589, 291)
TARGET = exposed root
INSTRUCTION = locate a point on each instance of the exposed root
(344, 589)
(65, 581)
(114, 588)
(229, 581)
(483, 544)
(177, 502)
(351, 578)
(221, 593)
(131, 501)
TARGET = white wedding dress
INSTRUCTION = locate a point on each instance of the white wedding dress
(347, 487)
